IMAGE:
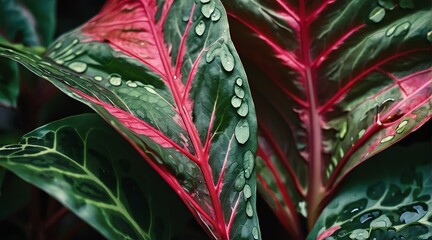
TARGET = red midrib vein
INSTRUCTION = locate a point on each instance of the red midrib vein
(315, 185)
(190, 127)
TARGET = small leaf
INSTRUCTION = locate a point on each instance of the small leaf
(393, 202)
(88, 167)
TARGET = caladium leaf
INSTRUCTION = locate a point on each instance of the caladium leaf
(383, 200)
(91, 169)
(334, 83)
(166, 75)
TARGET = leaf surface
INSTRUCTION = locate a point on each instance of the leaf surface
(392, 203)
(91, 169)
(167, 76)
(334, 82)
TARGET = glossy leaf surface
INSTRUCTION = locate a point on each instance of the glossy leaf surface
(91, 169)
(166, 75)
(334, 82)
(383, 200)
(27, 22)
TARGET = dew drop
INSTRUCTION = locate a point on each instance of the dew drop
(185, 18)
(78, 67)
(132, 84)
(58, 45)
(204, 1)
(115, 79)
(150, 89)
(98, 78)
(240, 182)
(386, 139)
(200, 28)
(402, 29)
(359, 234)
(208, 9)
(241, 131)
(247, 192)
(413, 213)
(239, 82)
(387, 4)
(213, 51)
(59, 61)
(343, 130)
(249, 209)
(236, 102)
(227, 58)
(248, 163)
(429, 36)
(377, 14)
(390, 31)
(216, 15)
(243, 110)
(406, 4)
(255, 234)
(239, 92)
(400, 128)
(361, 133)
(381, 222)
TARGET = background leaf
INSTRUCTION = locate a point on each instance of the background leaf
(166, 75)
(387, 198)
(88, 167)
(28, 22)
(334, 83)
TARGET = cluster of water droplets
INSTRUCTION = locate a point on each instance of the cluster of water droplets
(400, 29)
(209, 11)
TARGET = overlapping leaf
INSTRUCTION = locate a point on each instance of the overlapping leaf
(393, 202)
(166, 75)
(334, 83)
(89, 168)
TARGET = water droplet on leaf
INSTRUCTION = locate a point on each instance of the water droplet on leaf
(402, 29)
(377, 14)
(243, 110)
(240, 182)
(247, 192)
(249, 209)
(236, 102)
(248, 163)
(239, 92)
(208, 9)
(200, 28)
(400, 128)
(204, 1)
(429, 36)
(241, 131)
(98, 78)
(216, 15)
(115, 79)
(227, 58)
(78, 67)
(239, 82)
(213, 51)
(359, 234)
(390, 31)
(255, 234)
(413, 213)
(132, 84)
(386, 139)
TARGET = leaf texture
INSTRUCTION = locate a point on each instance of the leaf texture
(91, 169)
(167, 77)
(334, 82)
(392, 203)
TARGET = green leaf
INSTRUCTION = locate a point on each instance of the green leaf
(82, 162)
(166, 75)
(334, 83)
(387, 198)
(29, 22)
